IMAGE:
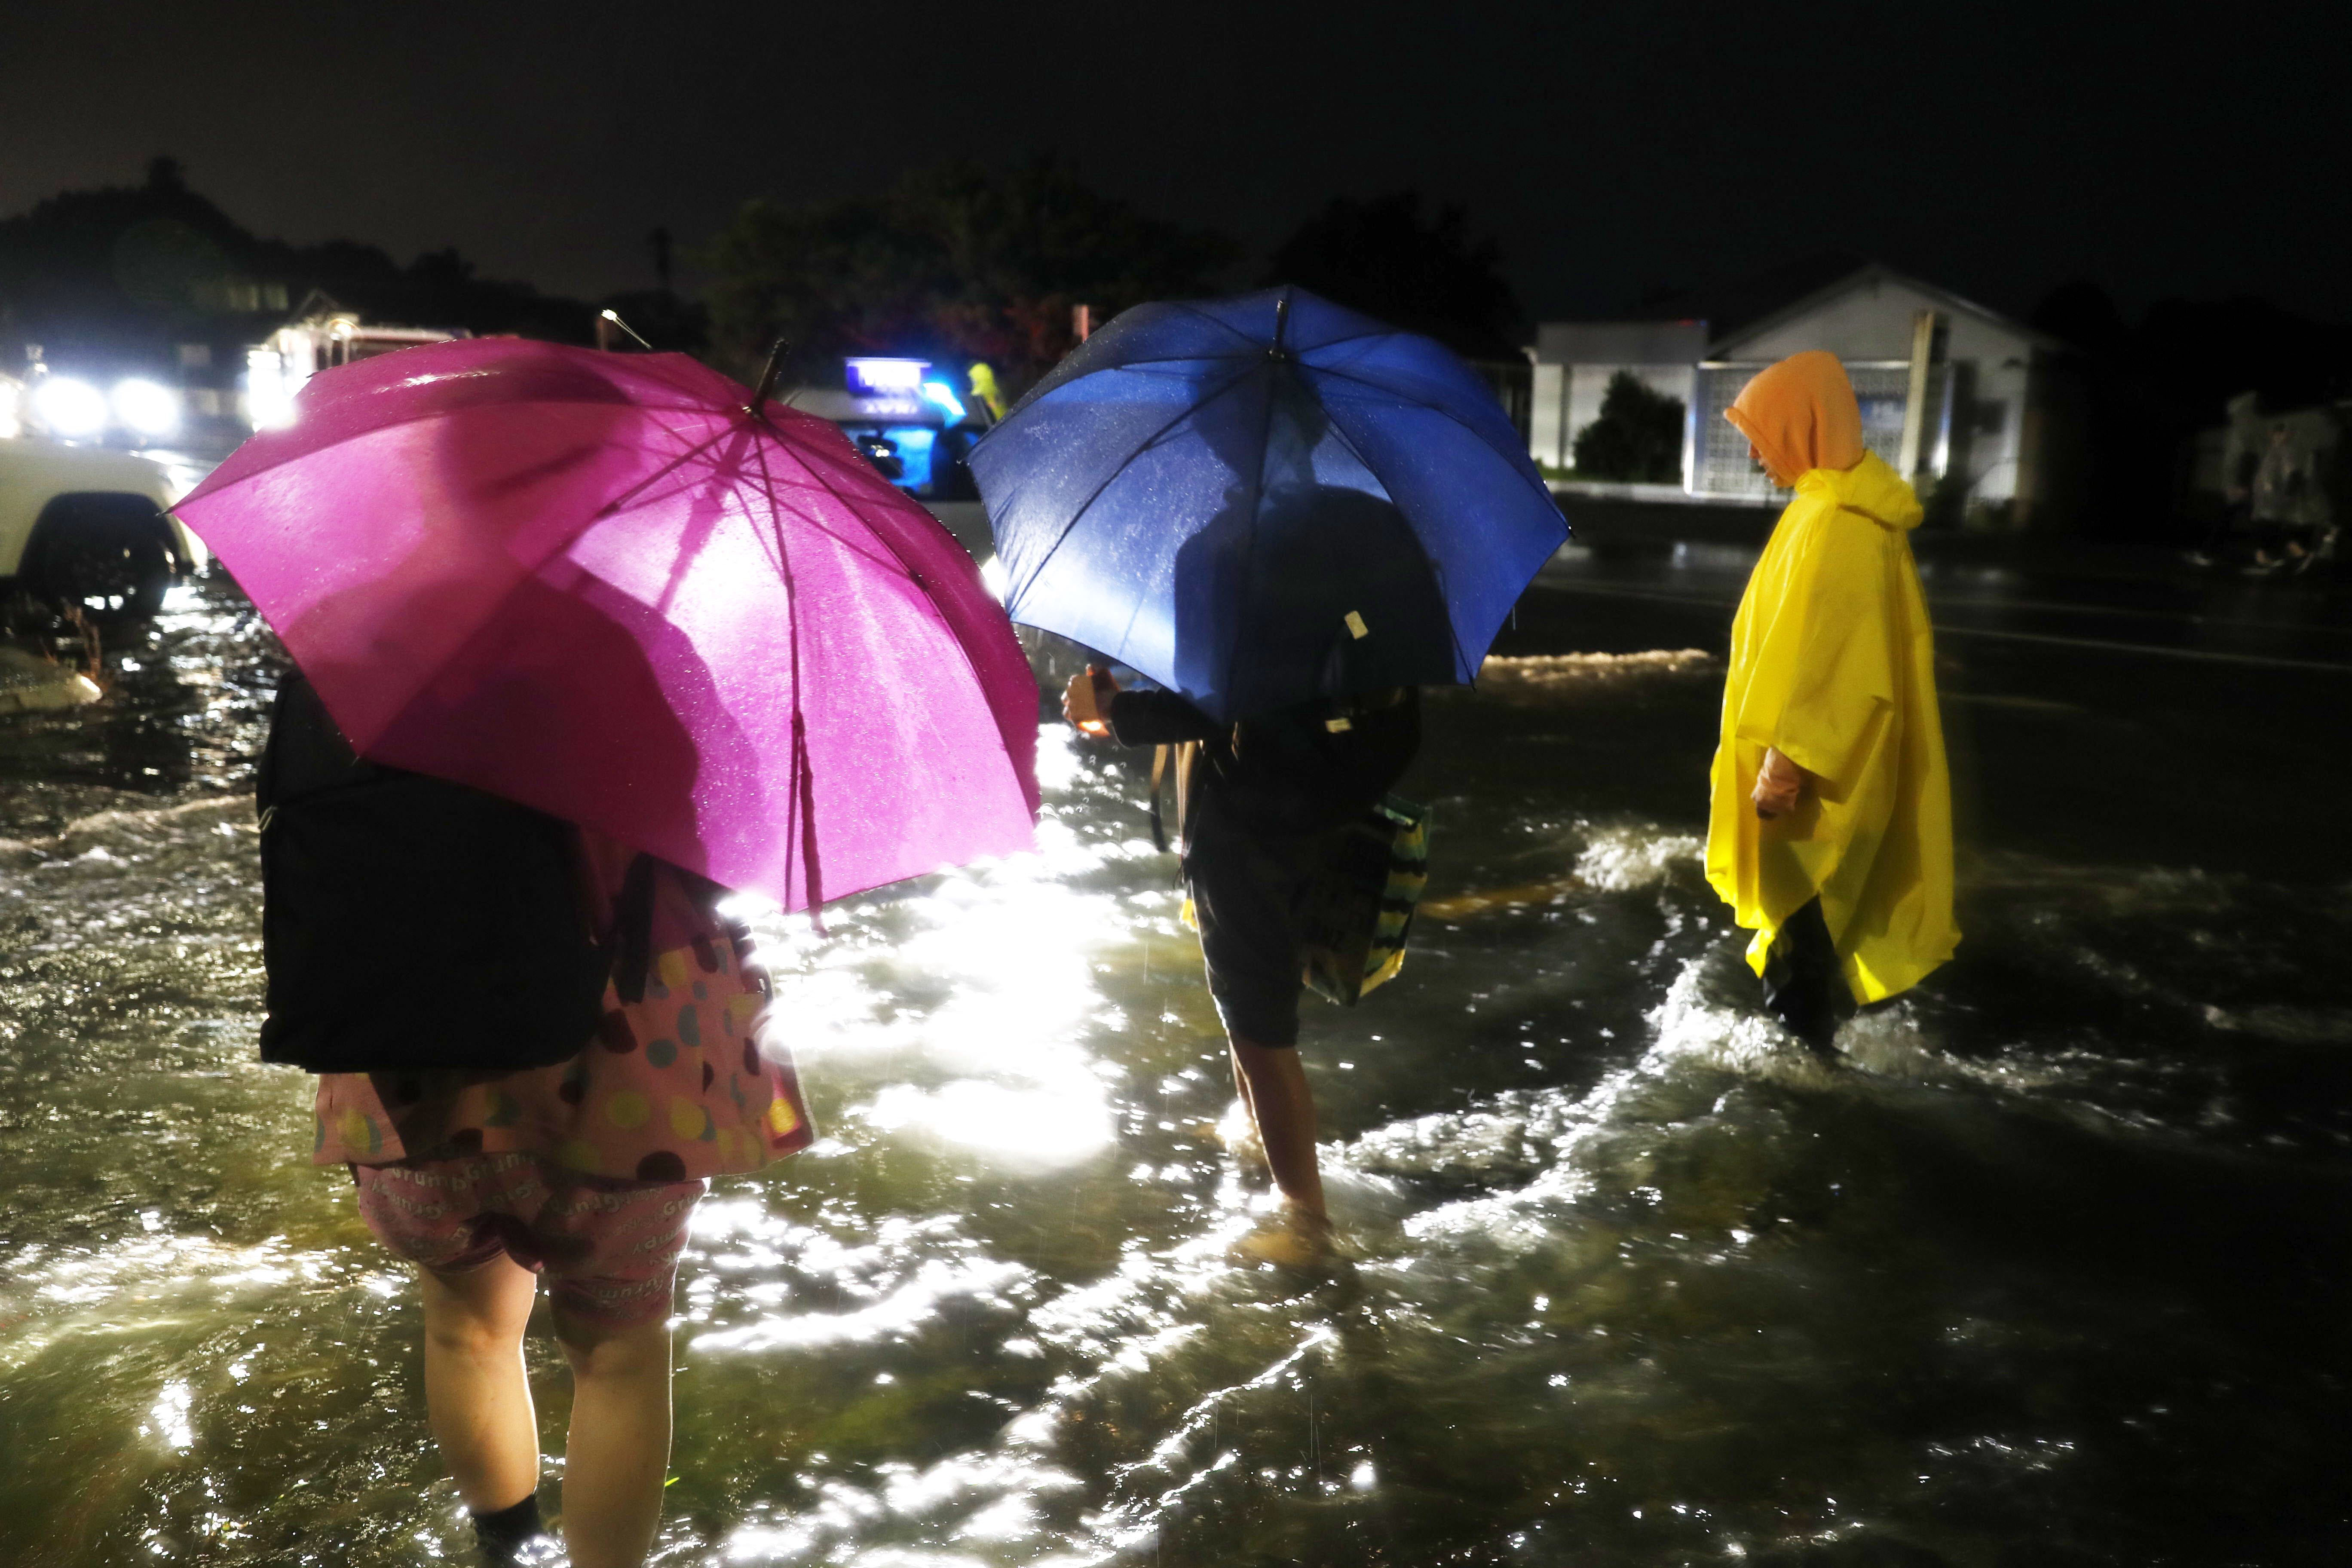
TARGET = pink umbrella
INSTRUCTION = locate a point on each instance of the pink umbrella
(600, 584)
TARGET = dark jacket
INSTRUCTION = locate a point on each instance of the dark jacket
(1298, 770)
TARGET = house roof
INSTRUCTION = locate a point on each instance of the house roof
(1728, 304)
(1745, 307)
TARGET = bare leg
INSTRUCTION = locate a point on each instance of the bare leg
(476, 1394)
(1274, 1086)
(618, 1454)
(1242, 1093)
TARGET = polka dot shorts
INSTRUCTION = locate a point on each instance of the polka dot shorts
(608, 1248)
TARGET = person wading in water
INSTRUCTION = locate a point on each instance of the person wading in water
(1261, 801)
(517, 1102)
(1830, 833)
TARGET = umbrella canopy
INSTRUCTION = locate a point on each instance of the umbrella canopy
(601, 585)
(1259, 501)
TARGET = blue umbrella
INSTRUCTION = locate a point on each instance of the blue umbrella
(1261, 500)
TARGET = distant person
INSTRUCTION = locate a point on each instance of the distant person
(1830, 833)
(2233, 527)
(1261, 804)
(2278, 495)
(410, 924)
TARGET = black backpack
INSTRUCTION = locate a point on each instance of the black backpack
(409, 923)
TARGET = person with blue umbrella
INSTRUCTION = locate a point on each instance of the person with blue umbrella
(1287, 517)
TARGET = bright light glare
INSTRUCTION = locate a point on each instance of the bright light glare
(70, 408)
(942, 394)
(995, 577)
(1051, 1126)
(168, 1420)
(146, 407)
(268, 391)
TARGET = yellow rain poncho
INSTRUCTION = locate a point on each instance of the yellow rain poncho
(1833, 662)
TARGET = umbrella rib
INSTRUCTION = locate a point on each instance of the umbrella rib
(565, 540)
(805, 791)
(1442, 413)
(1436, 572)
(1192, 310)
(813, 477)
(1155, 359)
(803, 773)
(1257, 496)
(817, 479)
(1124, 464)
(542, 400)
(697, 519)
(1373, 331)
(849, 504)
(627, 496)
(979, 681)
(1378, 329)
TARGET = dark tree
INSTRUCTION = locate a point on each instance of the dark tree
(122, 273)
(662, 319)
(1426, 274)
(1638, 438)
(950, 261)
(2142, 390)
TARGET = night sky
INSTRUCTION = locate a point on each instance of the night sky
(1613, 151)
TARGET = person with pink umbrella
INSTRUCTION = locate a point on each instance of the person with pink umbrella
(585, 641)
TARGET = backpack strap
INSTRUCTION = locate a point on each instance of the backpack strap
(1177, 758)
(1158, 771)
(632, 939)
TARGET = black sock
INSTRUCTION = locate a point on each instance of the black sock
(500, 1533)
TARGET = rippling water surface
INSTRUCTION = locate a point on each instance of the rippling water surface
(2052, 1272)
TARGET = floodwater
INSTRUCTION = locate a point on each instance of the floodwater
(2052, 1271)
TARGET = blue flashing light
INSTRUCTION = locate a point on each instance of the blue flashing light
(943, 395)
(914, 444)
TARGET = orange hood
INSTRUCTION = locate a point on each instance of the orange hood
(1801, 414)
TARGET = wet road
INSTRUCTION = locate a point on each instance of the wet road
(2183, 720)
(2052, 1273)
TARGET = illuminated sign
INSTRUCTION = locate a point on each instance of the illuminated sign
(887, 377)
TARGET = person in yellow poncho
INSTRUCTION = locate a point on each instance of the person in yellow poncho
(1831, 834)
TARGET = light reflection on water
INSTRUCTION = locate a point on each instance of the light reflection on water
(1633, 1281)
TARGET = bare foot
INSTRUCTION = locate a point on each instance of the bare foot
(1289, 1238)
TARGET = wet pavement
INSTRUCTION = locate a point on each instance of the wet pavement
(2052, 1271)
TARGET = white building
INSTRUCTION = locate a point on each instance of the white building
(1949, 391)
(1574, 362)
